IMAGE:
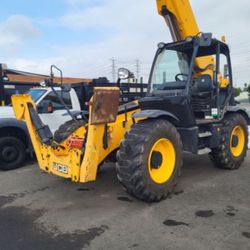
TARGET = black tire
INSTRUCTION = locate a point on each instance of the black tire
(66, 129)
(111, 158)
(134, 156)
(12, 153)
(223, 157)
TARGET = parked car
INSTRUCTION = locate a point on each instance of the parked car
(244, 100)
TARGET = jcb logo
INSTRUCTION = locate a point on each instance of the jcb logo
(60, 168)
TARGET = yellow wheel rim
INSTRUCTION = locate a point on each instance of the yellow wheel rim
(237, 142)
(161, 161)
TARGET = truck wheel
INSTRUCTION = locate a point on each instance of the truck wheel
(12, 153)
(150, 159)
(233, 148)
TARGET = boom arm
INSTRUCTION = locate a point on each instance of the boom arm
(180, 18)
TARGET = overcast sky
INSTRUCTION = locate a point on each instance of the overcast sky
(81, 36)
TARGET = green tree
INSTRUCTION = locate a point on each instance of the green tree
(236, 92)
(245, 86)
(248, 90)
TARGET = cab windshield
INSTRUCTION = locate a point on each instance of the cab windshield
(36, 94)
(170, 71)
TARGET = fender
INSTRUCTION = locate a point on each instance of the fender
(238, 109)
(12, 122)
(155, 113)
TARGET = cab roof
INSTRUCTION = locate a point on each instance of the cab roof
(187, 46)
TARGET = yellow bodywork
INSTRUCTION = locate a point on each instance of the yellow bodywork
(77, 165)
(182, 23)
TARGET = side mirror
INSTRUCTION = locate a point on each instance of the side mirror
(46, 83)
(124, 74)
(45, 107)
(66, 88)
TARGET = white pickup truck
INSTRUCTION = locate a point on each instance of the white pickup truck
(14, 139)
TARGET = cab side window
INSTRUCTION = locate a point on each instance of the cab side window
(51, 97)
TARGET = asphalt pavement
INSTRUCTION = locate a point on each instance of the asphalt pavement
(210, 209)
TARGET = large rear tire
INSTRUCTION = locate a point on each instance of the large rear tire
(234, 140)
(150, 159)
(12, 153)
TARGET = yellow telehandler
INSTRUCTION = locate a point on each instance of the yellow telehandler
(189, 107)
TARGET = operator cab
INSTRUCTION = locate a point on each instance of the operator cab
(179, 86)
(170, 69)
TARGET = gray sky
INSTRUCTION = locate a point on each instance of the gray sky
(81, 36)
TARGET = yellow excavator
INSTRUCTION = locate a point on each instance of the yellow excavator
(189, 107)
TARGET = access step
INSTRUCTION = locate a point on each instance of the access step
(205, 134)
(204, 151)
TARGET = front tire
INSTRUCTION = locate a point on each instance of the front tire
(234, 141)
(150, 159)
(12, 153)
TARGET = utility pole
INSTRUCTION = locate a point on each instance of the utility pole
(137, 65)
(113, 69)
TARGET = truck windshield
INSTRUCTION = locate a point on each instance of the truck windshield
(170, 71)
(36, 94)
